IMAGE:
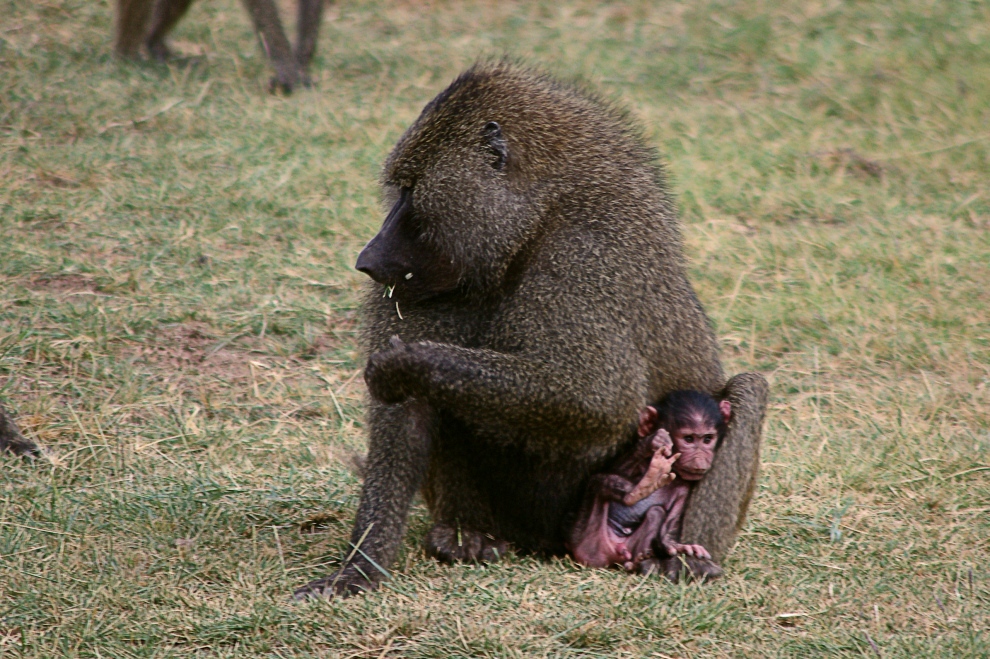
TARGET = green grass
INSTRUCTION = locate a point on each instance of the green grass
(178, 316)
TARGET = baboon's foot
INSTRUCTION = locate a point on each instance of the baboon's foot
(682, 565)
(158, 50)
(646, 567)
(285, 80)
(448, 544)
(676, 566)
(343, 583)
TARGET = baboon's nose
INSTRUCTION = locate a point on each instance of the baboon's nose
(367, 263)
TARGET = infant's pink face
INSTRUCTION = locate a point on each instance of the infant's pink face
(696, 444)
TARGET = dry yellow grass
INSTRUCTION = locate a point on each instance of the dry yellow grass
(177, 319)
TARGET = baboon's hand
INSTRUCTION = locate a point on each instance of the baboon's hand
(398, 373)
(344, 583)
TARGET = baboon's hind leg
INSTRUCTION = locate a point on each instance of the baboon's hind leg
(131, 26)
(167, 14)
(310, 15)
(718, 504)
(264, 15)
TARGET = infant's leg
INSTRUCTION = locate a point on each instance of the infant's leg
(640, 542)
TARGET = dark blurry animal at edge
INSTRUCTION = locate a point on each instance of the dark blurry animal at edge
(11, 438)
(147, 23)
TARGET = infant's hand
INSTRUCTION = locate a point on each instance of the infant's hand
(657, 475)
(663, 443)
(674, 548)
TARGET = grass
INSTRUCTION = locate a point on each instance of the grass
(177, 328)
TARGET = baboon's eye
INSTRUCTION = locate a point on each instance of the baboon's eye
(496, 144)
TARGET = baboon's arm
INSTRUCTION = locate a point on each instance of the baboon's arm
(717, 506)
(610, 487)
(398, 455)
(488, 387)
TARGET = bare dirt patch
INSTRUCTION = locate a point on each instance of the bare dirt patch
(849, 161)
(195, 349)
(57, 179)
(195, 357)
(64, 284)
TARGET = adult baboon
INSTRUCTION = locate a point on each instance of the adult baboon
(529, 298)
(290, 68)
(11, 438)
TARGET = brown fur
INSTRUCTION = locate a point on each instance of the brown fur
(548, 305)
(133, 31)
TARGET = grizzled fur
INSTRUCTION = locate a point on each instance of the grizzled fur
(133, 17)
(538, 292)
(11, 438)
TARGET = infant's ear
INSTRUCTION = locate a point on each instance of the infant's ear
(726, 408)
(647, 421)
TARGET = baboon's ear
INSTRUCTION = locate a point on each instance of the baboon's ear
(725, 407)
(647, 421)
(496, 144)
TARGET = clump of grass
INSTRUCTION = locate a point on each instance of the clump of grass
(177, 328)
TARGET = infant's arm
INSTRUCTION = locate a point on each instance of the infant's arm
(670, 532)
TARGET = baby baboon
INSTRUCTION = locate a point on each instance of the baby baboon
(603, 532)
(11, 438)
(290, 68)
(529, 298)
(631, 515)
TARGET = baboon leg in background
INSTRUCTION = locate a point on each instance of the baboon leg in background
(264, 15)
(167, 14)
(11, 438)
(310, 15)
(717, 507)
(132, 22)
